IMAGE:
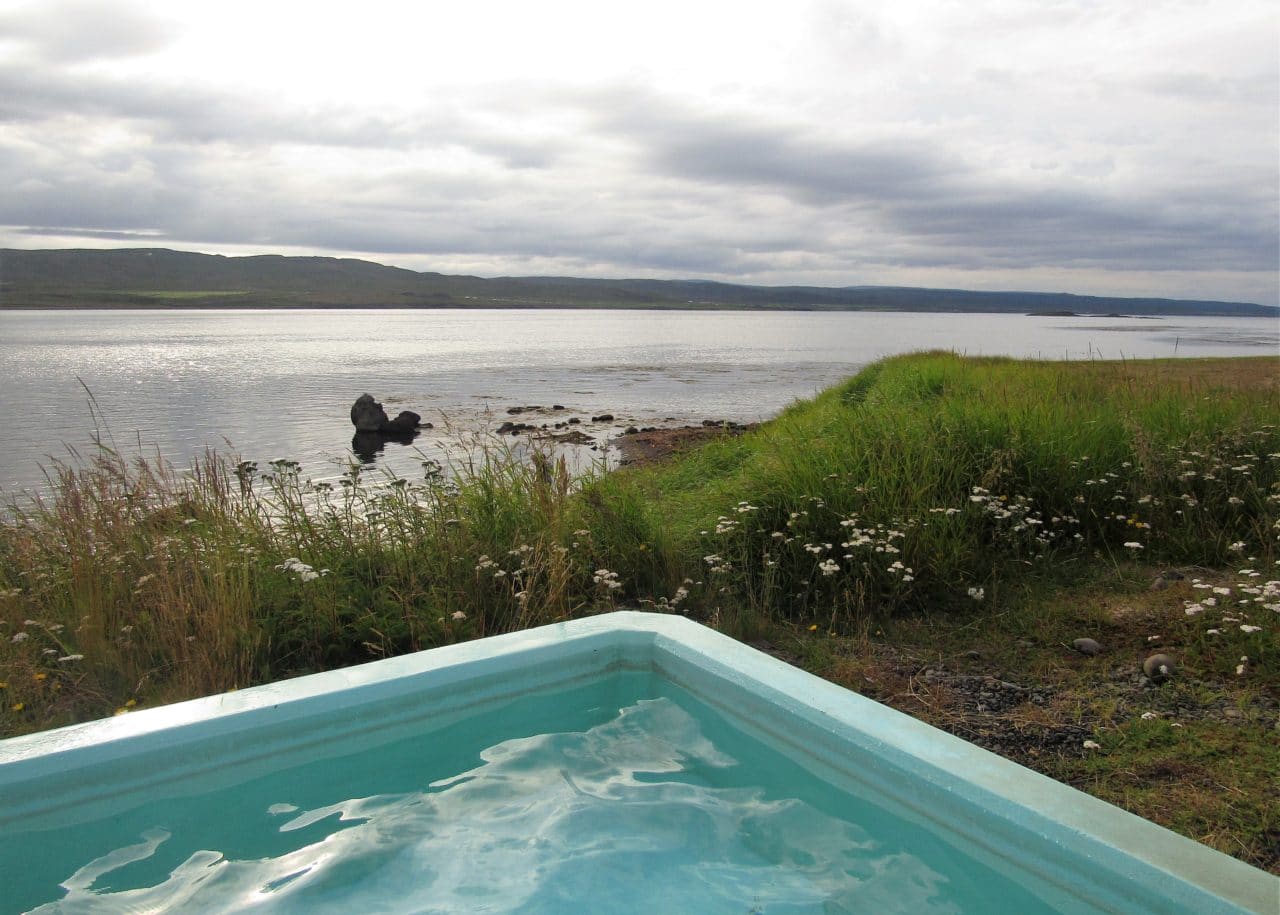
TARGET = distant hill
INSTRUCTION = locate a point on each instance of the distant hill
(160, 278)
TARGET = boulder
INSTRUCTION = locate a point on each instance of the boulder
(407, 421)
(367, 414)
(1086, 647)
(1159, 667)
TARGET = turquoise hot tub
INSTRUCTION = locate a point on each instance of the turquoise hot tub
(625, 763)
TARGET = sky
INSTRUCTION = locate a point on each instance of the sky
(1112, 147)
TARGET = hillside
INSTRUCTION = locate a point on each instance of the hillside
(158, 277)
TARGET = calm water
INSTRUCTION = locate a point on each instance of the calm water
(280, 384)
(653, 803)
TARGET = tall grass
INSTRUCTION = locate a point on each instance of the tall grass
(923, 482)
(926, 480)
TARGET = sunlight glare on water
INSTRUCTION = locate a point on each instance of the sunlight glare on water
(280, 384)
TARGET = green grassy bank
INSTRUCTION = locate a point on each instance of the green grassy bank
(929, 498)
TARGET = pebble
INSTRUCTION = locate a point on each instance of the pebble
(1159, 667)
(1086, 646)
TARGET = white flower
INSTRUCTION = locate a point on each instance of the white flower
(1248, 628)
(1147, 716)
(977, 593)
(828, 567)
(1092, 745)
(458, 616)
(1133, 545)
(18, 637)
(72, 657)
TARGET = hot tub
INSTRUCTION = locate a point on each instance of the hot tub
(626, 762)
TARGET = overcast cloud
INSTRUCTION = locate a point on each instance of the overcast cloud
(1128, 147)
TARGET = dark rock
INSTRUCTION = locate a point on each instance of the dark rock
(603, 418)
(557, 406)
(406, 421)
(631, 430)
(516, 411)
(367, 414)
(1159, 667)
(1087, 647)
(573, 420)
(973, 654)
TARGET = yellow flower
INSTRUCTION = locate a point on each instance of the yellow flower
(121, 711)
(131, 703)
(42, 676)
(813, 628)
(17, 707)
(4, 684)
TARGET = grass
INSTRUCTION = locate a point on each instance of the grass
(928, 505)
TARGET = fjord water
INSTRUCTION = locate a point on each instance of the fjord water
(279, 384)
(622, 796)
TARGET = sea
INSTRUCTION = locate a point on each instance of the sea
(262, 385)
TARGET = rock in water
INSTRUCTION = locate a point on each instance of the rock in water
(1159, 667)
(367, 414)
(1086, 646)
(407, 421)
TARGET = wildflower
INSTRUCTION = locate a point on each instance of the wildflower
(977, 593)
(1242, 666)
(828, 567)
(1092, 745)
(71, 657)
(1237, 547)
(17, 706)
(813, 628)
(607, 579)
(40, 676)
(1213, 632)
(1147, 716)
(1250, 629)
(1222, 591)
(458, 616)
(1133, 545)
(18, 637)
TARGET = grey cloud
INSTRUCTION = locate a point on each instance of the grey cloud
(189, 114)
(953, 209)
(76, 31)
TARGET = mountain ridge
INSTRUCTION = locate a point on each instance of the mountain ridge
(166, 278)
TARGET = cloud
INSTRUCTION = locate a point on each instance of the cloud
(79, 31)
(988, 166)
